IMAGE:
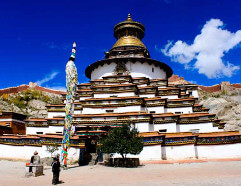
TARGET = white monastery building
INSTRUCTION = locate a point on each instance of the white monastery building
(128, 86)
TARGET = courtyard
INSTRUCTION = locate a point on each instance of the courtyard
(202, 173)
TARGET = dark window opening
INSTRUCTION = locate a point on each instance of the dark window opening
(178, 112)
(109, 110)
(163, 130)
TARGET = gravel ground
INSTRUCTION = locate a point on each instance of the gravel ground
(208, 173)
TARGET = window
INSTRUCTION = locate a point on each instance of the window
(152, 112)
(178, 112)
(163, 130)
(109, 110)
(120, 72)
(58, 132)
(113, 96)
(152, 69)
(39, 132)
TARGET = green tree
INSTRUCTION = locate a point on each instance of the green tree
(123, 141)
(52, 148)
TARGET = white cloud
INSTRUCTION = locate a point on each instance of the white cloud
(207, 50)
(47, 78)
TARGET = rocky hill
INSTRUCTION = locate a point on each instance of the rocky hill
(226, 105)
(31, 102)
(223, 99)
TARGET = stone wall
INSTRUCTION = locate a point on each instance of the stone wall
(214, 88)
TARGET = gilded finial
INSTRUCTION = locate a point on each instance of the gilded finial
(74, 45)
(129, 17)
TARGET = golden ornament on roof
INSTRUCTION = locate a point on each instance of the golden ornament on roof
(129, 33)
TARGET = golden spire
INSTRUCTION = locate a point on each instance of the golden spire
(129, 18)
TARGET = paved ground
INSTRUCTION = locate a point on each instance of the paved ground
(206, 173)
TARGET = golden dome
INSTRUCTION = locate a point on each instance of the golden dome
(129, 33)
(128, 41)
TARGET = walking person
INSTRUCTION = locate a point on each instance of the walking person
(55, 169)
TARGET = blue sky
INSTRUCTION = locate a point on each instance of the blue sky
(199, 40)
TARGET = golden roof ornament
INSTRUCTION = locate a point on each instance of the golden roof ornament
(129, 33)
(129, 18)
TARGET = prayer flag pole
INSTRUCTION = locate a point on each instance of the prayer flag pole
(71, 84)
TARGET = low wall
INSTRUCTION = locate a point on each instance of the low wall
(25, 152)
(152, 152)
(219, 151)
(214, 88)
(179, 152)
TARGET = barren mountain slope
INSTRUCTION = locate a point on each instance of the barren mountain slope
(226, 105)
(30, 102)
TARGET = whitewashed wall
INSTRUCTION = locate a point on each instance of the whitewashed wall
(195, 93)
(25, 152)
(179, 152)
(34, 130)
(170, 97)
(105, 70)
(148, 153)
(153, 152)
(136, 108)
(142, 127)
(147, 95)
(203, 127)
(50, 129)
(145, 70)
(52, 114)
(184, 110)
(171, 127)
(136, 70)
(124, 94)
(219, 151)
(83, 98)
(159, 109)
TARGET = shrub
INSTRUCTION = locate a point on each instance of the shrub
(5, 97)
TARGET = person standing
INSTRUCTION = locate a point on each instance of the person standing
(55, 169)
